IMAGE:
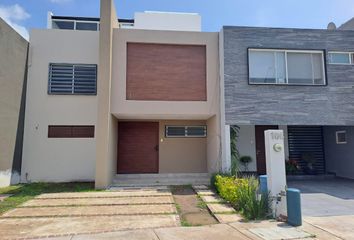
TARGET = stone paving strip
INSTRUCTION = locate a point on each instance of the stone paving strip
(221, 210)
(211, 199)
(91, 210)
(106, 194)
(40, 202)
(61, 226)
(211, 232)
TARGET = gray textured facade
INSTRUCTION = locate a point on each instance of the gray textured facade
(332, 104)
(339, 157)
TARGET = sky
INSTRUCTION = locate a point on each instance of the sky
(24, 15)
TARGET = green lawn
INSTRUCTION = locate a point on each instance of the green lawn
(24, 192)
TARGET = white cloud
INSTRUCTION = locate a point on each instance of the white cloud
(12, 15)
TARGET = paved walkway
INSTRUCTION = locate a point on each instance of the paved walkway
(90, 212)
(148, 214)
(267, 230)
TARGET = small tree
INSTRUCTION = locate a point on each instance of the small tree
(245, 160)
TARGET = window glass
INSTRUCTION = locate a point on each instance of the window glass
(317, 64)
(175, 131)
(185, 131)
(262, 67)
(339, 58)
(86, 26)
(280, 69)
(63, 24)
(286, 67)
(341, 137)
(197, 131)
(299, 68)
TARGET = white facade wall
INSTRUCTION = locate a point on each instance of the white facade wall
(58, 159)
(246, 145)
(168, 21)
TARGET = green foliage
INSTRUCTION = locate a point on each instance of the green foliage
(24, 192)
(242, 194)
(234, 133)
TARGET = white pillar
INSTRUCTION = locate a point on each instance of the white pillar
(276, 177)
(226, 163)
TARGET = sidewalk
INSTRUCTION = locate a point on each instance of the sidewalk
(237, 231)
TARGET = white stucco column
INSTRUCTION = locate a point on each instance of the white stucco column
(226, 158)
(276, 177)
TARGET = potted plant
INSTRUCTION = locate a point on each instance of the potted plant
(292, 167)
(310, 159)
(245, 160)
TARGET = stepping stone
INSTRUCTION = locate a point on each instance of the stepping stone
(220, 208)
(228, 218)
(200, 187)
(211, 199)
(107, 194)
(204, 192)
(98, 201)
(279, 233)
(91, 211)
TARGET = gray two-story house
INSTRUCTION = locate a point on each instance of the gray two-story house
(298, 80)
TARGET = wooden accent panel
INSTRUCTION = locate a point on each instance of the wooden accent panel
(138, 144)
(166, 72)
(71, 131)
(260, 148)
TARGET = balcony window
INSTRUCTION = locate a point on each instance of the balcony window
(286, 67)
(63, 25)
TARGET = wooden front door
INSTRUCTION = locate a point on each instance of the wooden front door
(260, 148)
(138, 147)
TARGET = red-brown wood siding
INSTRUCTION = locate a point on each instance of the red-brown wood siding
(166, 72)
(71, 131)
(260, 148)
(138, 147)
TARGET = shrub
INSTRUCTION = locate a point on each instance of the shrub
(252, 204)
(242, 194)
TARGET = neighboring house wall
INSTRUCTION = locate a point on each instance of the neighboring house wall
(168, 21)
(58, 159)
(339, 157)
(13, 52)
(182, 155)
(287, 105)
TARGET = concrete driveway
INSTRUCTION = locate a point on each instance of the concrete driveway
(334, 197)
(328, 204)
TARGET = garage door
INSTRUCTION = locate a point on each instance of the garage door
(137, 147)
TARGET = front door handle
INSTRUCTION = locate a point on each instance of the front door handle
(156, 148)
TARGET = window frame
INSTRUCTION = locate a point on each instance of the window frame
(76, 21)
(49, 92)
(351, 60)
(286, 51)
(185, 131)
(337, 138)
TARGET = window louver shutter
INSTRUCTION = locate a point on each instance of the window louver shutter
(72, 79)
